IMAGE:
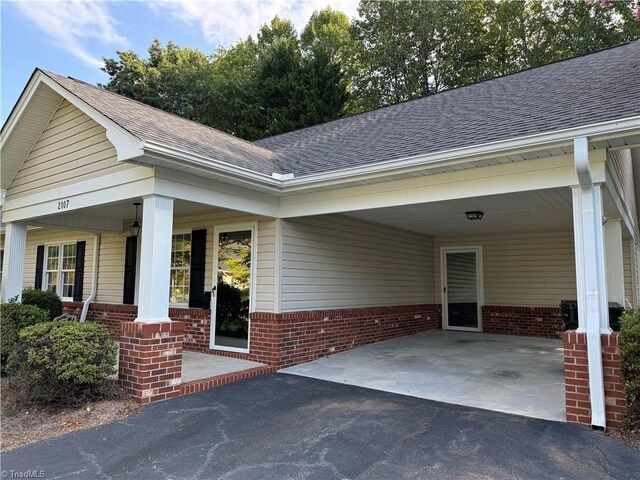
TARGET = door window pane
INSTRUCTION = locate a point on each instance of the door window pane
(233, 290)
(462, 290)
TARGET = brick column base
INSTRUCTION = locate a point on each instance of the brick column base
(150, 366)
(576, 379)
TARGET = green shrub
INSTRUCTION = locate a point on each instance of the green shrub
(63, 362)
(13, 318)
(630, 363)
(45, 299)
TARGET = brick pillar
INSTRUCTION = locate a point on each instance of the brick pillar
(151, 360)
(576, 379)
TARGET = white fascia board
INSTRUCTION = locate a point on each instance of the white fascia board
(16, 113)
(467, 154)
(130, 183)
(171, 157)
(184, 186)
(127, 145)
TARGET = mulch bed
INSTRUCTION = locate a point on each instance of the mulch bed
(626, 435)
(23, 423)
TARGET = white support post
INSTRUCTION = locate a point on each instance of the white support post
(155, 259)
(593, 310)
(615, 260)
(15, 244)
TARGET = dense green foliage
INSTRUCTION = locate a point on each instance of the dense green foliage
(394, 51)
(63, 362)
(13, 318)
(630, 363)
(44, 299)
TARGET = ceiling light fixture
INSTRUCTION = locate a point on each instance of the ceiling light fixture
(474, 215)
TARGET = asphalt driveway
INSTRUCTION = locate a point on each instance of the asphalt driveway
(284, 426)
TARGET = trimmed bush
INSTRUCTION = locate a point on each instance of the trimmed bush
(629, 343)
(45, 299)
(63, 362)
(13, 318)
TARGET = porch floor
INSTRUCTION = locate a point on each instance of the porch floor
(521, 375)
(196, 366)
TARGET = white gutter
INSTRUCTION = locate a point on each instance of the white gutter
(475, 152)
(284, 183)
(593, 311)
(181, 157)
(94, 278)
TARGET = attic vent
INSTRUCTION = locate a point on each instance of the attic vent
(282, 176)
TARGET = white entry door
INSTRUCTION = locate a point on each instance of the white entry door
(462, 292)
(233, 292)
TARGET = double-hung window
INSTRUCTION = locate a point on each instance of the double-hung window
(180, 269)
(60, 269)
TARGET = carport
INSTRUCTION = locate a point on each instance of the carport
(506, 373)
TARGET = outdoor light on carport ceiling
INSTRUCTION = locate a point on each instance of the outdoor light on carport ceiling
(135, 227)
(475, 215)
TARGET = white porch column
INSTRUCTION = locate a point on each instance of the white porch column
(613, 245)
(15, 244)
(593, 310)
(155, 259)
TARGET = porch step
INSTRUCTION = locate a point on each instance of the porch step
(202, 384)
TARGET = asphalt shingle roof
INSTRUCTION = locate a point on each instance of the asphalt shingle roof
(152, 124)
(580, 91)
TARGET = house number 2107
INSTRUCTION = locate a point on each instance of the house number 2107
(63, 204)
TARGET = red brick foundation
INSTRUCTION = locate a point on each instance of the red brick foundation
(526, 321)
(150, 366)
(577, 379)
(284, 339)
(197, 320)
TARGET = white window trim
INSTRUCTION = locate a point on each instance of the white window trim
(253, 226)
(179, 305)
(60, 246)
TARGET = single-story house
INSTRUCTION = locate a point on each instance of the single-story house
(479, 208)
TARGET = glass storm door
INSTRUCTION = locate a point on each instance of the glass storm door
(232, 293)
(462, 290)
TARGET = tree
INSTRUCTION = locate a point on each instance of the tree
(172, 78)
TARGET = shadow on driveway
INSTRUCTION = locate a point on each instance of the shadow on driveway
(283, 426)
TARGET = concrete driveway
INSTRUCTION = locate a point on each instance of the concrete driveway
(290, 427)
(522, 375)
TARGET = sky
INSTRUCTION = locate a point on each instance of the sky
(72, 37)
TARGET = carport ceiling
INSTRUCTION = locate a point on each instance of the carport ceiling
(534, 211)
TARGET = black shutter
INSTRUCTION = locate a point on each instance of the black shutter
(78, 281)
(37, 284)
(198, 254)
(130, 256)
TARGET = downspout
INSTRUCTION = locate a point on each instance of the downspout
(591, 288)
(94, 278)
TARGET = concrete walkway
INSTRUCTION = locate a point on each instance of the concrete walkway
(522, 375)
(196, 366)
(290, 427)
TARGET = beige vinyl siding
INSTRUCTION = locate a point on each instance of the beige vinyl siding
(71, 149)
(265, 268)
(112, 251)
(43, 236)
(621, 167)
(336, 262)
(533, 269)
(111, 268)
(627, 246)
